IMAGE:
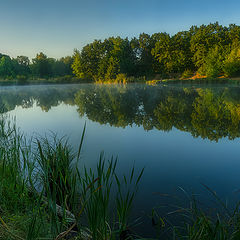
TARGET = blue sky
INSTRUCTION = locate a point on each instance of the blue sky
(56, 27)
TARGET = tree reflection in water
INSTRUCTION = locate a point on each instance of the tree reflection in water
(206, 112)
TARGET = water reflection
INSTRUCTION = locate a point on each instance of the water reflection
(211, 113)
(44, 96)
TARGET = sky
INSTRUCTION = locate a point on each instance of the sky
(57, 27)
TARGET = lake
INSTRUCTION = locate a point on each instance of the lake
(185, 136)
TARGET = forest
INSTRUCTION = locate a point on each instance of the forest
(209, 51)
(21, 68)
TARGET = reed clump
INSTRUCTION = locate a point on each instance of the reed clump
(197, 222)
(45, 194)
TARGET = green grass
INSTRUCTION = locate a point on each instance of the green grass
(44, 194)
(18, 213)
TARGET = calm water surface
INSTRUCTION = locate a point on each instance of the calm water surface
(183, 136)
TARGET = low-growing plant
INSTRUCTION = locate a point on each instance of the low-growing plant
(187, 74)
(100, 199)
(126, 191)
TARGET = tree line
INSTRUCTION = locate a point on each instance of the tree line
(208, 50)
(40, 67)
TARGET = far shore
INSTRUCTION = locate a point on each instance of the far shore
(221, 80)
(74, 80)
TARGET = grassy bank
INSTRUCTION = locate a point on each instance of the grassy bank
(122, 79)
(45, 195)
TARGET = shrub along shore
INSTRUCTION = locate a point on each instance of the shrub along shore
(124, 80)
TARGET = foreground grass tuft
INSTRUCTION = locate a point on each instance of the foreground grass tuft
(45, 195)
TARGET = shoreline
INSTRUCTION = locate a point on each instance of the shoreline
(196, 81)
(73, 80)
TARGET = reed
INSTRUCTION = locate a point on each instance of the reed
(16, 203)
(222, 224)
(126, 192)
(100, 200)
(199, 223)
(41, 175)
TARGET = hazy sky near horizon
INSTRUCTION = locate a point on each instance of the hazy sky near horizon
(56, 27)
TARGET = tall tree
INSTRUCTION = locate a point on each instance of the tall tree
(41, 65)
(7, 67)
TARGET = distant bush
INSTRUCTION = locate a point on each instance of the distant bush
(187, 74)
(21, 78)
(136, 79)
(66, 78)
(121, 78)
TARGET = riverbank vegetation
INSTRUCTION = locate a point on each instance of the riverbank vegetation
(44, 195)
(206, 51)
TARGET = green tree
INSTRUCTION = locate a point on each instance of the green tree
(23, 60)
(104, 60)
(213, 63)
(209, 49)
(231, 66)
(77, 66)
(22, 65)
(205, 38)
(162, 53)
(7, 68)
(68, 61)
(41, 66)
